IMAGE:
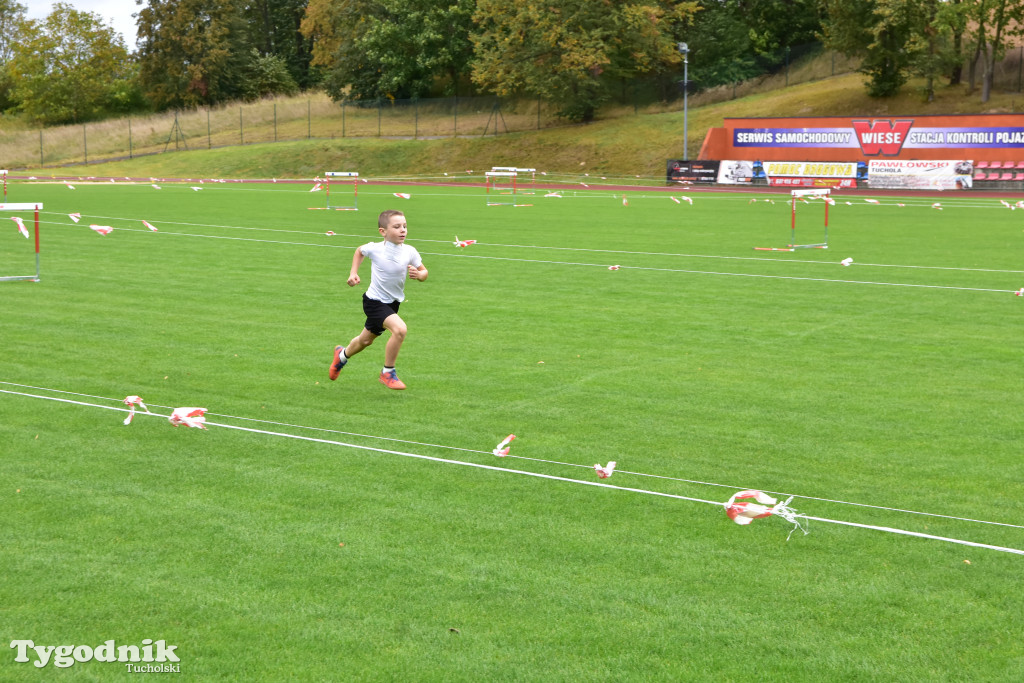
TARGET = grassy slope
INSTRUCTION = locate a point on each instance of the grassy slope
(627, 146)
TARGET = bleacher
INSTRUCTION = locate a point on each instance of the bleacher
(999, 171)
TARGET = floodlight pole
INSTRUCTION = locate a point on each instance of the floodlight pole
(685, 51)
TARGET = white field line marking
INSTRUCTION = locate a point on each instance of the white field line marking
(533, 246)
(531, 474)
(599, 265)
(550, 462)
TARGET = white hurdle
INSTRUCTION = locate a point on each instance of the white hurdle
(355, 190)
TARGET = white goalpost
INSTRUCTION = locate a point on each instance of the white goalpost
(341, 186)
(11, 249)
(803, 196)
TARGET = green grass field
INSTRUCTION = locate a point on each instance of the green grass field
(701, 366)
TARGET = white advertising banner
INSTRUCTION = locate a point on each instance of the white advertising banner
(921, 174)
(735, 172)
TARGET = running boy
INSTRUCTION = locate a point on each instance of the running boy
(390, 262)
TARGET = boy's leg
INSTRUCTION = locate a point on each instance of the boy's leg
(360, 342)
(388, 376)
(398, 330)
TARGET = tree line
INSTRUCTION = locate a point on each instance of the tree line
(574, 54)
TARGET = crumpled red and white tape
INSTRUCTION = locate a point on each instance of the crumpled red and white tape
(75, 216)
(402, 195)
(1019, 292)
(131, 402)
(189, 417)
(846, 261)
(687, 199)
(316, 188)
(330, 233)
(21, 226)
(745, 512)
(149, 225)
(501, 450)
(872, 201)
(606, 471)
(102, 229)
(937, 205)
(614, 267)
(463, 243)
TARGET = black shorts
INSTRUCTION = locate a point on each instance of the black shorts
(376, 312)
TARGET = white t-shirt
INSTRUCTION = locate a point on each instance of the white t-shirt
(389, 265)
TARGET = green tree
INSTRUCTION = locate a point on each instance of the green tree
(268, 75)
(721, 49)
(11, 13)
(572, 52)
(192, 52)
(335, 28)
(856, 29)
(393, 49)
(773, 26)
(1003, 19)
(69, 67)
(274, 30)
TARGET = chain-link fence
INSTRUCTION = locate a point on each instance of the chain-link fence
(313, 117)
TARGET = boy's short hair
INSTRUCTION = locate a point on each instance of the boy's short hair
(385, 216)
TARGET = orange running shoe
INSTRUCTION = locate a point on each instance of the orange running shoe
(391, 381)
(337, 364)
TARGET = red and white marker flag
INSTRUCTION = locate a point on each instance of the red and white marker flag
(872, 201)
(614, 267)
(131, 402)
(102, 229)
(75, 216)
(678, 202)
(553, 194)
(606, 471)
(846, 261)
(155, 186)
(463, 243)
(197, 189)
(625, 202)
(687, 199)
(501, 450)
(745, 512)
(149, 225)
(937, 205)
(21, 226)
(329, 233)
(402, 195)
(316, 188)
(70, 186)
(189, 417)
(1019, 292)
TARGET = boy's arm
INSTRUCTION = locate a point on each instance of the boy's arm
(357, 260)
(418, 272)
